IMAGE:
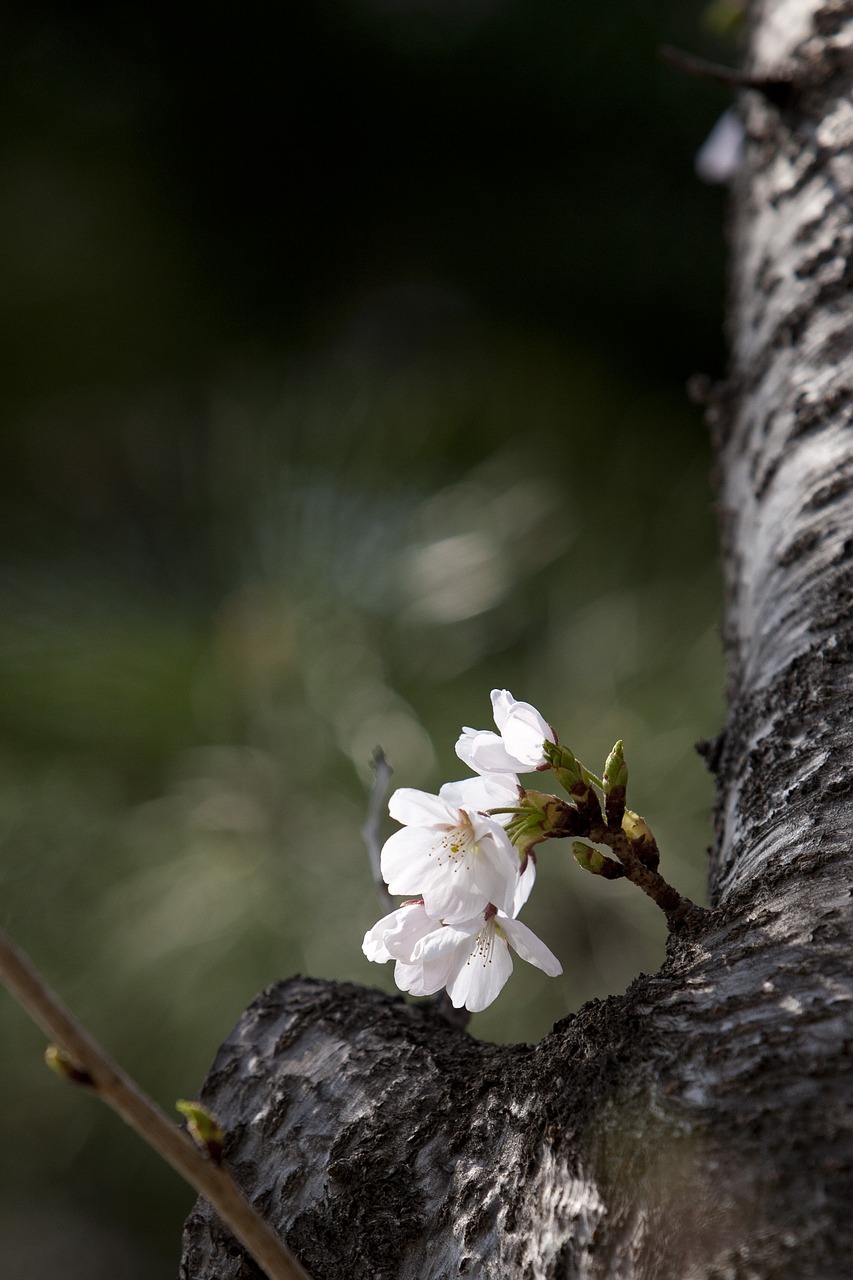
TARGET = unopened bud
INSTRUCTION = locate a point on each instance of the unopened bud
(576, 780)
(642, 841)
(596, 863)
(615, 769)
(203, 1127)
(60, 1061)
(564, 764)
(615, 779)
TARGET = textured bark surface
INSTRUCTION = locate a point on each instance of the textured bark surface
(701, 1125)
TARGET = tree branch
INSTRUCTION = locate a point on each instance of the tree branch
(382, 774)
(775, 89)
(125, 1097)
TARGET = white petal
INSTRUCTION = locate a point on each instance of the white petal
(442, 954)
(482, 977)
(524, 732)
(409, 977)
(524, 886)
(495, 872)
(529, 947)
(420, 809)
(491, 791)
(405, 857)
(374, 940)
(486, 828)
(484, 752)
(453, 896)
(410, 924)
(396, 935)
(502, 701)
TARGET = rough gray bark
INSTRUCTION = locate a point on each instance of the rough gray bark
(701, 1125)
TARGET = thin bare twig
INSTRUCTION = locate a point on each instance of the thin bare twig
(382, 774)
(774, 89)
(125, 1097)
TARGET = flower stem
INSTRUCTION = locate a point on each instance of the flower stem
(678, 909)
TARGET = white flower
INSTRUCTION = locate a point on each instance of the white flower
(495, 791)
(524, 884)
(395, 937)
(454, 857)
(520, 748)
(483, 792)
(472, 960)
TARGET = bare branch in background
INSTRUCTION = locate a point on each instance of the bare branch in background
(82, 1060)
(382, 775)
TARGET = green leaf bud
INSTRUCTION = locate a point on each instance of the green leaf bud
(642, 841)
(60, 1061)
(615, 769)
(596, 863)
(615, 783)
(203, 1127)
(564, 764)
(576, 780)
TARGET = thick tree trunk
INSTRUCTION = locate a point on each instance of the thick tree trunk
(701, 1125)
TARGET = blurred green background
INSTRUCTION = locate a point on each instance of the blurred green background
(345, 345)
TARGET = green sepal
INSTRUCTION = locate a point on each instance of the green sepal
(544, 817)
(565, 765)
(577, 781)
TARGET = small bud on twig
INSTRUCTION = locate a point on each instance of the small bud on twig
(571, 775)
(203, 1127)
(615, 780)
(642, 841)
(66, 1066)
(596, 863)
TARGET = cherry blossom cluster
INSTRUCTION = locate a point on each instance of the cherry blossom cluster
(462, 860)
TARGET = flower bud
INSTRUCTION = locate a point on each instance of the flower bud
(564, 764)
(615, 779)
(642, 841)
(596, 863)
(573, 777)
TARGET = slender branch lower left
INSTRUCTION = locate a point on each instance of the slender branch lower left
(115, 1088)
